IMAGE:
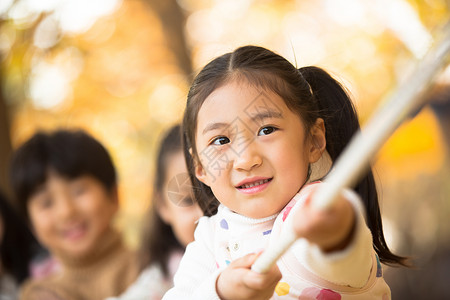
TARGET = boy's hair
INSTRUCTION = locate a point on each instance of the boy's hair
(158, 239)
(18, 246)
(310, 92)
(70, 153)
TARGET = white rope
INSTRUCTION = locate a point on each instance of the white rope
(356, 157)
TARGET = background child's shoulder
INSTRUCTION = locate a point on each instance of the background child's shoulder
(43, 288)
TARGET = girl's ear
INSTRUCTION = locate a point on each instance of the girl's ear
(200, 172)
(318, 140)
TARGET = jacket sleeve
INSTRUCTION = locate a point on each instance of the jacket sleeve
(350, 266)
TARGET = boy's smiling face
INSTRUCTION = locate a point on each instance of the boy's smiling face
(70, 216)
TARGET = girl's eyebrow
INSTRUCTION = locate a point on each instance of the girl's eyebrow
(214, 126)
(259, 116)
(266, 114)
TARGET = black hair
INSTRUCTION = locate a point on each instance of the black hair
(158, 240)
(18, 246)
(70, 153)
(310, 92)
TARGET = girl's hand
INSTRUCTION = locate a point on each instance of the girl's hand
(238, 281)
(330, 229)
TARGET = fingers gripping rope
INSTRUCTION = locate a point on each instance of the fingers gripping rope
(364, 145)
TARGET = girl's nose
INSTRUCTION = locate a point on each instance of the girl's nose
(249, 158)
(66, 208)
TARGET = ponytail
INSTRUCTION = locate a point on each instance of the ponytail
(341, 123)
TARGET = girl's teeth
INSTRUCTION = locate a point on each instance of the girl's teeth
(246, 186)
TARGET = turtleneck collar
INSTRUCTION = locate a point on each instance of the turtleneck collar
(239, 224)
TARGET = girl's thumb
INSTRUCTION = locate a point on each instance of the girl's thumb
(246, 261)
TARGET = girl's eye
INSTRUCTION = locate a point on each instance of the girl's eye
(186, 202)
(221, 140)
(267, 130)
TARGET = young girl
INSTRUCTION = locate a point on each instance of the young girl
(256, 127)
(173, 218)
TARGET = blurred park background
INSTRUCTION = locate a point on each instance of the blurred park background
(120, 69)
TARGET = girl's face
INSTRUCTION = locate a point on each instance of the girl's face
(177, 207)
(71, 216)
(252, 149)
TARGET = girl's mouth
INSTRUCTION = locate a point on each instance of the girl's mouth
(254, 186)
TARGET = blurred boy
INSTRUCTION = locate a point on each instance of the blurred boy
(65, 185)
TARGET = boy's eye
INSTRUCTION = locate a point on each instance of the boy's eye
(78, 189)
(266, 130)
(44, 202)
(221, 140)
(42, 198)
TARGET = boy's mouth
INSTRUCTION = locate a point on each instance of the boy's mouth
(75, 232)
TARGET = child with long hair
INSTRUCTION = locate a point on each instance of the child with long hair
(255, 127)
(171, 223)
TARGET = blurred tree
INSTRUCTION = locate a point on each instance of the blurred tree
(130, 63)
(6, 107)
(5, 141)
(173, 21)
